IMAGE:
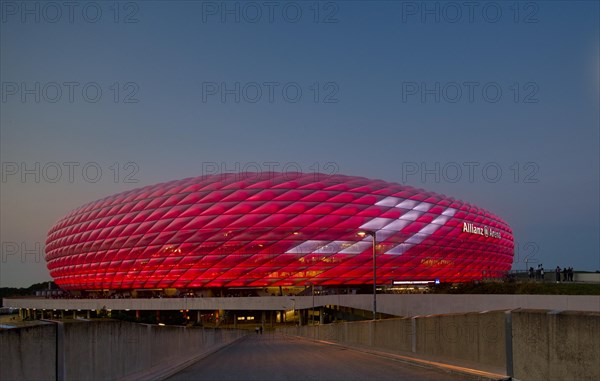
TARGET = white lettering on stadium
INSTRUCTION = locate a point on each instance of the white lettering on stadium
(484, 231)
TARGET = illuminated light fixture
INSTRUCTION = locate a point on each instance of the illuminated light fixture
(161, 324)
(373, 234)
(401, 282)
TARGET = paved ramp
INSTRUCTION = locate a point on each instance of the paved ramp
(276, 357)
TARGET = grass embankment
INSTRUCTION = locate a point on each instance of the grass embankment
(535, 288)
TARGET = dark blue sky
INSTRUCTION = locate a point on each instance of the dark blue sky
(420, 93)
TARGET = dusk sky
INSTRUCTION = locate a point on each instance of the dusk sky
(494, 103)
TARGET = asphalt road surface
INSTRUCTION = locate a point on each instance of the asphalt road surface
(275, 357)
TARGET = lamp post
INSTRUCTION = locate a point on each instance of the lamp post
(312, 312)
(294, 309)
(312, 317)
(374, 235)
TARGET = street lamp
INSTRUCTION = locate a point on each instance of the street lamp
(312, 312)
(374, 235)
(294, 309)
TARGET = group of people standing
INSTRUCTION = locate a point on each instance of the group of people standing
(567, 274)
(538, 274)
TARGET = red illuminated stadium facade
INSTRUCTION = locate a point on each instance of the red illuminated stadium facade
(274, 229)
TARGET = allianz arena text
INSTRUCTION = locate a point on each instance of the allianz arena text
(274, 229)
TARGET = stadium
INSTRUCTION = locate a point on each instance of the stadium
(260, 230)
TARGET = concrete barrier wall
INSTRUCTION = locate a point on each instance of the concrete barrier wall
(546, 345)
(103, 350)
(28, 353)
(393, 304)
(543, 345)
(394, 335)
(556, 346)
(586, 277)
(475, 338)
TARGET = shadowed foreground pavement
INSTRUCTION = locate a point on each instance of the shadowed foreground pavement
(276, 357)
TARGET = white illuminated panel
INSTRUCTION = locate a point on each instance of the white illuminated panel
(389, 201)
(408, 204)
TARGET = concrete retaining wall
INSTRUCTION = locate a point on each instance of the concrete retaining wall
(556, 346)
(474, 338)
(542, 345)
(28, 353)
(477, 338)
(103, 350)
(546, 345)
(392, 304)
(586, 277)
